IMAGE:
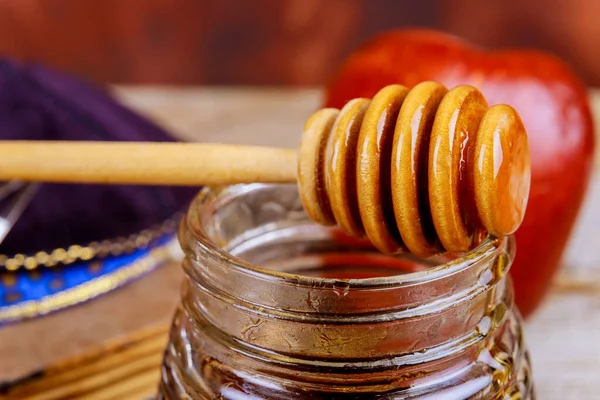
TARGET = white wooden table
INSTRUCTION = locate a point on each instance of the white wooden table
(563, 336)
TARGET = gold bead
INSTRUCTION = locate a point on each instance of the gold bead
(42, 257)
(87, 253)
(31, 263)
(74, 251)
(59, 255)
(12, 264)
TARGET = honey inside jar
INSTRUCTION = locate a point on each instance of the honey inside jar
(276, 306)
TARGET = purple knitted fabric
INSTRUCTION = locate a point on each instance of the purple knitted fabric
(37, 103)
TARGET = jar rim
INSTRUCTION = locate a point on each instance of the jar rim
(488, 247)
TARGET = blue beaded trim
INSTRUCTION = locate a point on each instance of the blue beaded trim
(28, 294)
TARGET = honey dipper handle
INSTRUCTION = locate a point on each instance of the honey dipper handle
(184, 164)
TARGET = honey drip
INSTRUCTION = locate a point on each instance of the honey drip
(424, 170)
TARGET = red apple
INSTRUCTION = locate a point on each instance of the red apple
(553, 105)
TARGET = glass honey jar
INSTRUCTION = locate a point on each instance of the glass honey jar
(275, 306)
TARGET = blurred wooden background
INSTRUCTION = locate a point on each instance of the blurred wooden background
(270, 42)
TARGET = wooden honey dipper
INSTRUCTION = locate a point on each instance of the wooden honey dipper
(423, 170)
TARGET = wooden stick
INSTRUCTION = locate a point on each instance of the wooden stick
(184, 164)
